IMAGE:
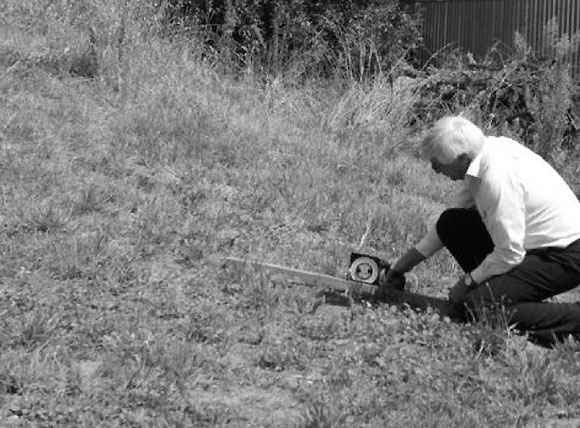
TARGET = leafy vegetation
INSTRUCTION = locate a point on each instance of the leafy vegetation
(129, 161)
(531, 95)
(354, 39)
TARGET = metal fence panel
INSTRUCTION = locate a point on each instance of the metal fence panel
(477, 25)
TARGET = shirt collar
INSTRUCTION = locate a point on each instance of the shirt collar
(475, 167)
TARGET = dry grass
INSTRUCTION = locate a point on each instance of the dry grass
(117, 190)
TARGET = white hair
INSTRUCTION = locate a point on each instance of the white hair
(451, 137)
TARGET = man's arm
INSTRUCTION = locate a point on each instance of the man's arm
(406, 262)
(428, 246)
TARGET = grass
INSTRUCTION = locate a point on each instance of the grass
(118, 190)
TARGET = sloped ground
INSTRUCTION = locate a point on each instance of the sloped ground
(115, 202)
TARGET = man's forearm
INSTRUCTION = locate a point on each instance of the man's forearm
(407, 261)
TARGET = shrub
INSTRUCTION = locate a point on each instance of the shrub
(356, 39)
(527, 94)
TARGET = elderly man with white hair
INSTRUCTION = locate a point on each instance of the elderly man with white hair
(514, 228)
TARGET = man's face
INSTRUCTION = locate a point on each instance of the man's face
(455, 170)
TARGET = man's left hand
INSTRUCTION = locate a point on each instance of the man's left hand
(461, 287)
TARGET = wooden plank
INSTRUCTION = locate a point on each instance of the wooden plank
(305, 277)
(533, 17)
(569, 16)
(416, 301)
(358, 289)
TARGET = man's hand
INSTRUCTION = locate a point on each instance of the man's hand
(389, 281)
(392, 279)
(461, 287)
(395, 277)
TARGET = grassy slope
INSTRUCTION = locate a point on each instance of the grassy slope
(117, 191)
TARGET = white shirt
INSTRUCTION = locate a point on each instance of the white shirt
(523, 202)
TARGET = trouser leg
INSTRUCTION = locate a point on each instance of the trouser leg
(523, 289)
(541, 275)
(463, 233)
(548, 323)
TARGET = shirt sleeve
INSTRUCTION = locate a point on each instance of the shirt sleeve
(501, 203)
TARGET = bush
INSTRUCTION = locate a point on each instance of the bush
(356, 39)
(519, 92)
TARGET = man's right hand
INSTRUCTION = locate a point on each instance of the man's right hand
(395, 277)
(392, 279)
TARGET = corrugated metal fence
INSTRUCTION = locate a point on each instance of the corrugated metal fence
(476, 25)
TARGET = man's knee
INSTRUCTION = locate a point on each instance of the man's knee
(448, 221)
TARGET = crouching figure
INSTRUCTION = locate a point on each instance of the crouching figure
(514, 228)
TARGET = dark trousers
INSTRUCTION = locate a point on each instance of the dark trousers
(542, 274)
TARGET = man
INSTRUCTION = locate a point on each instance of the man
(514, 228)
